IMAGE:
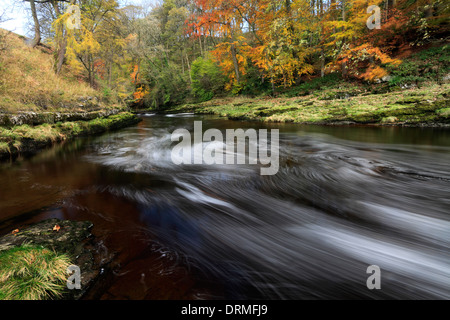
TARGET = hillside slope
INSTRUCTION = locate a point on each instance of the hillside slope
(39, 108)
(28, 82)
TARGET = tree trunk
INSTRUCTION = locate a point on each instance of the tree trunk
(322, 62)
(189, 68)
(182, 61)
(322, 49)
(37, 27)
(386, 9)
(90, 77)
(429, 11)
(110, 74)
(62, 43)
(91, 71)
(200, 43)
(273, 85)
(344, 64)
(235, 62)
(61, 54)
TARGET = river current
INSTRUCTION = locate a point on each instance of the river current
(344, 198)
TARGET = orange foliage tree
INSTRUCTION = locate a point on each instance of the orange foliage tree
(265, 33)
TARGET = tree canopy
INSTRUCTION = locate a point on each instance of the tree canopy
(199, 48)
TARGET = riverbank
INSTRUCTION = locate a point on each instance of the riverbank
(28, 138)
(425, 106)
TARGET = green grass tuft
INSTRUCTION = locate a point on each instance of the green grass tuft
(32, 273)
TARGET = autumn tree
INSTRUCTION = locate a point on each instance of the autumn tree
(286, 43)
(160, 51)
(223, 18)
(96, 38)
(267, 34)
(44, 13)
(175, 47)
(34, 13)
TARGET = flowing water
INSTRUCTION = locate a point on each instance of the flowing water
(343, 199)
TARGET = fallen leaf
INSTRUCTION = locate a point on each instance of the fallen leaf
(56, 228)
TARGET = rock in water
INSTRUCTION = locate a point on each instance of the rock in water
(73, 238)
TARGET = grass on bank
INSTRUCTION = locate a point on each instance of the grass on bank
(22, 138)
(32, 273)
(427, 104)
(28, 82)
(417, 91)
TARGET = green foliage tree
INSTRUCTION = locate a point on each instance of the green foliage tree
(207, 78)
(167, 86)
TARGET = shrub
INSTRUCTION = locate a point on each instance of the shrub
(427, 65)
(327, 82)
(207, 79)
(167, 85)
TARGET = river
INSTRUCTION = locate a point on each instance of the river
(344, 198)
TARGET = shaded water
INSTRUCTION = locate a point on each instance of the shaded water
(343, 199)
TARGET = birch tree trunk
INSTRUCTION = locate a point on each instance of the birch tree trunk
(37, 26)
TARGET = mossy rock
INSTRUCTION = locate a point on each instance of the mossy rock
(409, 100)
(387, 120)
(445, 112)
(65, 240)
(41, 118)
(5, 121)
(73, 238)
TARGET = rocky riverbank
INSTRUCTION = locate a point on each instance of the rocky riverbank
(29, 133)
(36, 118)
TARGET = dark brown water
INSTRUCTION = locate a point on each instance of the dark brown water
(343, 199)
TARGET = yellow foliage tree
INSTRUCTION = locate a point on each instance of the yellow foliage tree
(94, 40)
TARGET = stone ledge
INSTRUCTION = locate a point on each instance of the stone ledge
(37, 118)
